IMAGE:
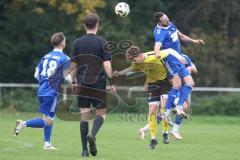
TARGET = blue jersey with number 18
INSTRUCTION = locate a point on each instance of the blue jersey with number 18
(50, 71)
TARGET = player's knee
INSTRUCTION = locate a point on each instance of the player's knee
(177, 82)
(177, 86)
(153, 107)
(101, 117)
(104, 116)
(48, 121)
(191, 83)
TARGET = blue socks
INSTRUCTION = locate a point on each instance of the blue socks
(36, 123)
(184, 92)
(47, 133)
(172, 94)
(177, 119)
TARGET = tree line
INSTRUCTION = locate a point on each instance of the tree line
(26, 27)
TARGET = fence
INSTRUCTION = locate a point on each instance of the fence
(208, 100)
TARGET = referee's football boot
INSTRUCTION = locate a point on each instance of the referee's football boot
(85, 154)
(92, 145)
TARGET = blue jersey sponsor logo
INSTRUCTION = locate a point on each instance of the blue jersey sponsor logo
(168, 37)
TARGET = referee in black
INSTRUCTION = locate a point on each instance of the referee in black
(88, 63)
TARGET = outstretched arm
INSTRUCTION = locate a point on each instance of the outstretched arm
(123, 72)
(185, 38)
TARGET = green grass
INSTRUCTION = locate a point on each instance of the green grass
(205, 138)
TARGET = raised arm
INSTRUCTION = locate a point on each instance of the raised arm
(36, 74)
(185, 38)
(123, 72)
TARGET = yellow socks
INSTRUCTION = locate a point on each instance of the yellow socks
(152, 121)
(165, 126)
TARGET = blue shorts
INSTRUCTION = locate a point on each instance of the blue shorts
(47, 105)
(175, 67)
(189, 61)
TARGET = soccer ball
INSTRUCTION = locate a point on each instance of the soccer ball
(122, 9)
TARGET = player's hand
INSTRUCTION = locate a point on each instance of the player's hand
(75, 88)
(198, 42)
(183, 60)
(145, 86)
(158, 55)
(116, 73)
(112, 89)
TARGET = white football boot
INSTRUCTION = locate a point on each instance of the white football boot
(176, 135)
(49, 147)
(18, 127)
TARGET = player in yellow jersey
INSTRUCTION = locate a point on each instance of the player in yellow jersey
(156, 81)
(190, 66)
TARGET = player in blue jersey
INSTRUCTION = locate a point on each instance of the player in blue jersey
(50, 73)
(166, 36)
(190, 66)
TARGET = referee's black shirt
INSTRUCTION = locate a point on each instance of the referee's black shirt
(88, 51)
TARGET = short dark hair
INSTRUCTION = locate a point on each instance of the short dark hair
(157, 16)
(91, 20)
(132, 52)
(57, 38)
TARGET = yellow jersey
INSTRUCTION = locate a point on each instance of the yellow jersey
(152, 67)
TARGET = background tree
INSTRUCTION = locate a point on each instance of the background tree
(26, 26)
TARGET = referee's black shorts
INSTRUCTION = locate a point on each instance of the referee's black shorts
(93, 94)
(156, 89)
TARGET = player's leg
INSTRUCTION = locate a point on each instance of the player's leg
(153, 101)
(97, 124)
(47, 108)
(164, 124)
(45, 102)
(84, 105)
(143, 131)
(98, 121)
(173, 71)
(48, 131)
(152, 121)
(48, 128)
(85, 115)
(172, 94)
(177, 122)
(184, 93)
(100, 106)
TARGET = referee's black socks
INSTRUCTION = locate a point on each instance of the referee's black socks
(97, 124)
(84, 133)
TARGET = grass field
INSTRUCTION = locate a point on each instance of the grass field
(205, 138)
